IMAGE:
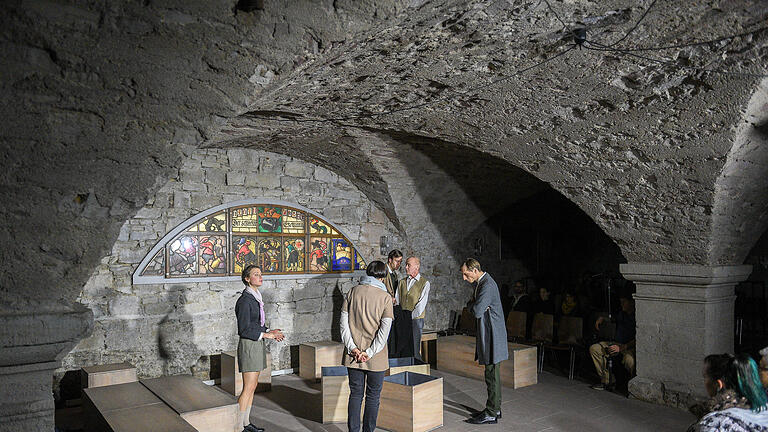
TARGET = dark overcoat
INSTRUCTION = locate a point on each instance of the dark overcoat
(491, 340)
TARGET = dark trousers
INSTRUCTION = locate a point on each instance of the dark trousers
(368, 382)
(493, 382)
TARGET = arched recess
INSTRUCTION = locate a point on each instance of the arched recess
(288, 240)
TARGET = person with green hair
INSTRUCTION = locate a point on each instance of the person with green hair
(738, 401)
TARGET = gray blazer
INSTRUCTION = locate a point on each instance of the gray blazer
(491, 346)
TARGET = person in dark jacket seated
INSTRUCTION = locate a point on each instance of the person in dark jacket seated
(521, 301)
(623, 344)
(543, 303)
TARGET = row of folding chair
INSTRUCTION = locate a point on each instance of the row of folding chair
(569, 334)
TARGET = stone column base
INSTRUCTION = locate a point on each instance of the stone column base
(657, 392)
(683, 313)
(32, 343)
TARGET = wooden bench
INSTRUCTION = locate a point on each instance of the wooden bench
(206, 408)
(457, 354)
(232, 379)
(104, 375)
(411, 402)
(129, 407)
(314, 355)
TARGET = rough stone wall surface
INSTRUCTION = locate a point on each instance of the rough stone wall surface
(740, 212)
(173, 328)
(101, 98)
(637, 144)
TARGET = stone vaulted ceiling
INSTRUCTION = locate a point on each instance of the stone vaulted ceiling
(638, 144)
(102, 100)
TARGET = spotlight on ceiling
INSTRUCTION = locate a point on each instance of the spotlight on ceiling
(250, 5)
(579, 35)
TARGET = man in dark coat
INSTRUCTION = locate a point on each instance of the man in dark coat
(491, 348)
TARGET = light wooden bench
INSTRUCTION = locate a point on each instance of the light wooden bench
(129, 407)
(411, 402)
(206, 408)
(407, 364)
(104, 375)
(232, 379)
(457, 354)
(314, 355)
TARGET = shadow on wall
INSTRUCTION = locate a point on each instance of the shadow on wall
(176, 336)
(315, 316)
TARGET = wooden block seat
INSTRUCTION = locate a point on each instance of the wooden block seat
(129, 407)
(232, 379)
(429, 347)
(314, 355)
(110, 374)
(411, 402)
(407, 364)
(456, 354)
(335, 389)
(206, 408)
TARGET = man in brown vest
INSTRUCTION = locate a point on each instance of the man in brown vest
(412, 294)
(366, 317)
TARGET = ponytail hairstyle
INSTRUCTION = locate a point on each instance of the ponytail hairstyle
(748, 382)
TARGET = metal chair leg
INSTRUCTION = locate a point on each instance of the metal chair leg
(572, 364)
(541, 358)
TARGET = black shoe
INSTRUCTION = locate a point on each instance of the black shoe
(253, 428)
(482, 413)
(483, 419)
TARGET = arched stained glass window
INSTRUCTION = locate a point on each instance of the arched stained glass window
(284, 239)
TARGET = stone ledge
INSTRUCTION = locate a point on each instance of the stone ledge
(687, 274)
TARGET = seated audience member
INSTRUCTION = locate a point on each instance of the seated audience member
(623, 344)
(738, 402)
(543, 303)
(521, 302)
(570, 306)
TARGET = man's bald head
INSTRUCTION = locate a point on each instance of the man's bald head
(412, 266)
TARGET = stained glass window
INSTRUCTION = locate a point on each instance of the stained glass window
(342, 255)
(156, 267)
(282, 239)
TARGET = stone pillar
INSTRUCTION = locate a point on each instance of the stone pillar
(31, 347)
(684, 313)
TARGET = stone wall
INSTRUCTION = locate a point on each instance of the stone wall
(174, 328)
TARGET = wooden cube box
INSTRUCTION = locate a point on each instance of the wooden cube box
(232, 379)
(335, 389)
(457, 354)
(104, 375)
(314, 355)
(411, 402)
(429, 347)
(407, 364)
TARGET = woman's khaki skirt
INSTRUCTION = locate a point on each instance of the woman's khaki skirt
(251, 355)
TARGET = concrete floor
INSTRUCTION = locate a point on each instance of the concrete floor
(554, 404)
